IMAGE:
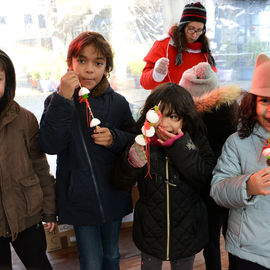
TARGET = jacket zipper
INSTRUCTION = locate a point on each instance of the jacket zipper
(168, 210)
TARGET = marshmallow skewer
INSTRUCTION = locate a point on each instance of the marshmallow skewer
(83, 95)
(148, 131)
(266, 153)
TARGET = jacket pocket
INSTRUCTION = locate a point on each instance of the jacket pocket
(32, 193)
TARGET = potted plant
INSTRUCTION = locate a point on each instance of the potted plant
(135, 69)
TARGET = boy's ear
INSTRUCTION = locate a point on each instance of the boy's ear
(106, 74)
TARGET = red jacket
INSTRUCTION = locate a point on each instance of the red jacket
(166, 48)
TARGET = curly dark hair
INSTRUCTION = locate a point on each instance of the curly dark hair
(178, 100)
(247, 116)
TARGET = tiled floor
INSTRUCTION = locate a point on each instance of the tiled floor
(66, 259)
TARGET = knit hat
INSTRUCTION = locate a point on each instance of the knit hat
(193, 12)
(261, 77)
(199, 79)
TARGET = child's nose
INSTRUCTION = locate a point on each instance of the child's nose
(164, 122)
(89, 67)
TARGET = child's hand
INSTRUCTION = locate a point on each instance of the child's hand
(49, 226)
(164, 135)
(259, 183)
(137, 156)
(102, 136)
(69, 82)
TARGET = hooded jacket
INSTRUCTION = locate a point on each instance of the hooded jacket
(248, 230)
(27, 190)
(218, 109)
(85, 195)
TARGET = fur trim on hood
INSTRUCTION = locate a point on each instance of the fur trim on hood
(216, 98)
(100, 87)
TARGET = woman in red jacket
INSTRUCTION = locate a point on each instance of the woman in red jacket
(182, 48)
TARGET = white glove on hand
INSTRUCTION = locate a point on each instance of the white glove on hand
(160, 69)
(137, 156)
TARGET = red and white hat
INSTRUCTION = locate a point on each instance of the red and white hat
(261, 77)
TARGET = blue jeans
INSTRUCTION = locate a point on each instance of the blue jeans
(98, 246)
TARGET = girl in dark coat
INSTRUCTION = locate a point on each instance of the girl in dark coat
(170, 219)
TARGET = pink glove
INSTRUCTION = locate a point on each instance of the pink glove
(136, 156)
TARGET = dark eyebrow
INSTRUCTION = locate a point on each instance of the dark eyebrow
(100, 58)
(81, 56)
(84, 57)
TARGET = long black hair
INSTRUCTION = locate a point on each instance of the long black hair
(6, 65)
(178, 100)
(180, 41)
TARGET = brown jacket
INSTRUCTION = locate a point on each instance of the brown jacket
(27, 190)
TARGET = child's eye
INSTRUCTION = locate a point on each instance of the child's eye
(264, 101)
(81, 61)
(174, 117)
(99, 63)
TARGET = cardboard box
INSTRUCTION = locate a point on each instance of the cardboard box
(62, 236)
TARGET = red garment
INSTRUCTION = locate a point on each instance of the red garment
(164, 49)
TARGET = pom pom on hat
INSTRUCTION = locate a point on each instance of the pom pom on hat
(199, 79)
(194, 12)
(260, 85)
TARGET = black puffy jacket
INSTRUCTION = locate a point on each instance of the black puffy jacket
(170, 219)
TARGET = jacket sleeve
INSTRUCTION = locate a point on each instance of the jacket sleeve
(41, 168)
(56, 124)
(155, 53)
(194, 162)
(124, 133)
(125, 175)
(228, 186)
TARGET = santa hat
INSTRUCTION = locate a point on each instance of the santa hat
(194, 12)
(261, 77)
(199, 79)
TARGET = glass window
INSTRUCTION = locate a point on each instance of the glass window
(27, 20)
(38, 33)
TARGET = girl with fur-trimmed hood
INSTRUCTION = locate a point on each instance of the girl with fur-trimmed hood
(218, 107)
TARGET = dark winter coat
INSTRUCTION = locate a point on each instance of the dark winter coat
(219, 111)
(27, 190)
(85, 195)
(170, 219)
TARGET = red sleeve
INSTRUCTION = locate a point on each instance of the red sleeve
(156, 52)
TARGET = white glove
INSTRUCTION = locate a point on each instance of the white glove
(160, 69)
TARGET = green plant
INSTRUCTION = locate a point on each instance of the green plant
(254, 47)
(35, 74)
(229, 52)
(136, 67)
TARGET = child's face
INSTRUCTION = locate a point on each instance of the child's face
(2, 82)
(170, 122)
(90, 66)
(263, 112)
